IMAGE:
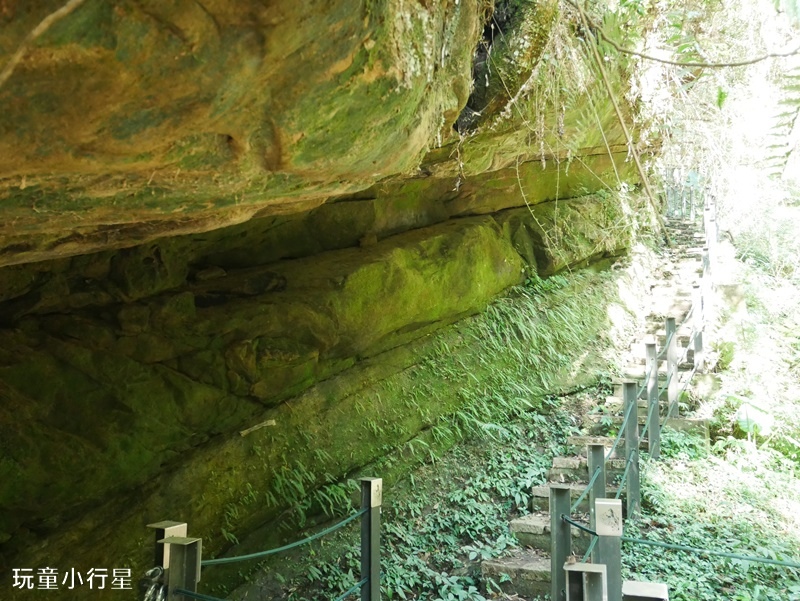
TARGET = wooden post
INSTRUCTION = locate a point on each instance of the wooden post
(653, 431)
(632, 450)
(672, 367)
(184, 572)
(596, 459)
(371, 501)
(560, 540)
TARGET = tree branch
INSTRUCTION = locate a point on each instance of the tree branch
(37, 31)
(651, 197)
(750, 61)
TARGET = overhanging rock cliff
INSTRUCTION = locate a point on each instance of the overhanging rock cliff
(213, 209)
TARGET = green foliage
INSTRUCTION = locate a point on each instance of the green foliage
(436, 530)
(677, 444)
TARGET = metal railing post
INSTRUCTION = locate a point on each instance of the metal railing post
(632, 449)
(672, 367)
(651, 365)
(596, 459)
(184, 572)
(371, 501)
(560, 540)
(610, 532)
(697, 326)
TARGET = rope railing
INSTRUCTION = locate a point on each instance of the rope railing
(181, 556)
(313, 537)
(607, 549)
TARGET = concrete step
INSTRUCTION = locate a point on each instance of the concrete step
(533, 531)
(540, 496)
(529, 573)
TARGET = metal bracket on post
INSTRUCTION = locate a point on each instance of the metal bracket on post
(672, 367)
(596, 459)
(560, 540)
(371, 501)
(632, 450)
(184, 573)
(586, 582)
(166, 529)
(653, 430)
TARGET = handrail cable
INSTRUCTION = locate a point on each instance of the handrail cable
(621, 429)
(585, 490)
(193, 595)
(352, 589)
(653, 407)
(666, 344)
(625, 475)
(578, 525)
(313, 537)
(653, 543)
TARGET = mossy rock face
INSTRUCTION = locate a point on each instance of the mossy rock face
(559, 235)
(360, 417)
(172, 370)
(128, 115)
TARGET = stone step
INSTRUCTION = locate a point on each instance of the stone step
(695, 426)
(533, 530)
(579, 445)
(635, 361)
(527, 570)
(639, 373)
(582, 463)
(614, 403)
(540, 496)
(661, 382)
(564, 475)
(698, 427)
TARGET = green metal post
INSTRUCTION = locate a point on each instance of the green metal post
(560, 540)
(672, 368)
(632, 450)
(698, 326)
(371, 500)
(596, 459)
(653, 430)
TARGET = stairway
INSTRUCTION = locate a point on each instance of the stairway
(527, 572)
